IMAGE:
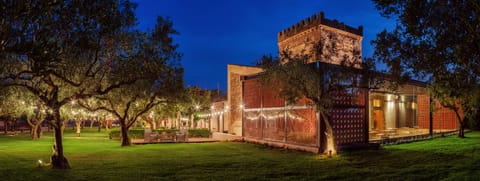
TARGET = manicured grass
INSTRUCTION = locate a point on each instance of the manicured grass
(94, 157)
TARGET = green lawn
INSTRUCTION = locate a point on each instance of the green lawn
(94, 157)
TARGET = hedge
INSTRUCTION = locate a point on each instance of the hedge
(133, 134)
(138, 133)
(198, 133)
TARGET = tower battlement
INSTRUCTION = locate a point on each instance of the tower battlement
(315, 20)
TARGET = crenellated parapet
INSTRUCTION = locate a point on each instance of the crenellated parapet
(315, 20)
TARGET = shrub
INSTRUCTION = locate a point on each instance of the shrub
(133, 134)
(114, 134)
(198, 133)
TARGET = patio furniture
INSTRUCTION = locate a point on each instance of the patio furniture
(166, 137)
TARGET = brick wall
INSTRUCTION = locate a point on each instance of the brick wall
(423, 113)
(267, 118)
(443, 118)
(233, 117)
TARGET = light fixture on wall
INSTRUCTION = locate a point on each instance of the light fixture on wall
(376, 103)
(414, 105)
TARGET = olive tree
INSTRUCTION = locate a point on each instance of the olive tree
(436, 41)
(61, 51)
(151, 59)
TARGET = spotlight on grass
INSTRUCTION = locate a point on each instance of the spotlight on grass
(39, 163)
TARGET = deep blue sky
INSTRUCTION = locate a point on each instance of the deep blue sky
(214, 33)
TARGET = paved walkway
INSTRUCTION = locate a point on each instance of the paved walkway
(190, 140)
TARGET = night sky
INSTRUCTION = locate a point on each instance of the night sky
(214, 33)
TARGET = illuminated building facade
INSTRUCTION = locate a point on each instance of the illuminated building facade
(358, 117)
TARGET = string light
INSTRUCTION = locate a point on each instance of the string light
(272, 116)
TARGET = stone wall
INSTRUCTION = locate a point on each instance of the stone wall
(233, 120)
(346, 40)
(315, 20)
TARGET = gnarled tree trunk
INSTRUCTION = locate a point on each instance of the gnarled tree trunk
(106, 124)
(35, 125)
(150, 121)
(39, 131)
(100, 125)
(58, 159)
(461, 123)
(34, 132)
(461, 132)
(91, 123)
(5, 128)
(125, 139)
(329, 140)
(79, 127)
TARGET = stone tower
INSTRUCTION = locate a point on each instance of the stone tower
(301, 37)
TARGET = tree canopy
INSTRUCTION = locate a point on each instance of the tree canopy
(435, 41)
(151, 61)
(64, 51)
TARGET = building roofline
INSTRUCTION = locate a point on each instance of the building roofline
(315, 20)
(384, 76)
(243, 65)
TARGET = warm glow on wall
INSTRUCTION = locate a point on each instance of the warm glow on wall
(414, 105)
(389, 97)
(376, 103)
(390, 105)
